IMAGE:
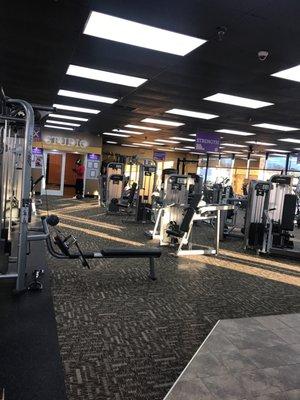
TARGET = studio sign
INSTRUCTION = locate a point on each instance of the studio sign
(66, 141)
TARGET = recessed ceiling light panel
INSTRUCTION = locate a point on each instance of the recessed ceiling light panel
(192, 114)
(233, 145)
(77, 109)
(124, 31)
(115, 134)
(67, 117)
(49, 121)
(184, 139)
(86, 96)
(233, 132)
(261, 143)
(237, 101)
(104, 76)
(290, 140)
(276, 127)
(126, 131)
(145, 128)
(166, 141)
(277, 151)
(292, 74)
(58, 127)
(162, 122)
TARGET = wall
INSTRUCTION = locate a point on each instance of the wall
(82, 142)
(109, 152)
(69, 142)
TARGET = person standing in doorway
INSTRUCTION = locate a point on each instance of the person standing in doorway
(79, 171)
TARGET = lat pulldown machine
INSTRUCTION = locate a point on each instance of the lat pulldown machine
(270, 217)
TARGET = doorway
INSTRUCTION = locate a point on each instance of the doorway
(70, 176)
(54, 173)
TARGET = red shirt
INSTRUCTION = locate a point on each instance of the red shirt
(79, 169)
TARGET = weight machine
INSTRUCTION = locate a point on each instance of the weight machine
(270, 217)
(17, 119)
(61, 247)
(17, 203)
(145, 189)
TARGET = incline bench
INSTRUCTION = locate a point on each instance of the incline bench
(64, 243)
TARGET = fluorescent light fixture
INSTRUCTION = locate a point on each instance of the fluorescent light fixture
(156, 143)
(297, 148)
(145, 128)
(289, 140)
(77, 109)
(122, 30)
(237, 101)
(233, 145)
(104, 76)
(192, 134)
(261, 143)
(189, 147)
(143, 144)
(196, 152)
(86, 96)
(128, 145)
(60, 116)
(184, 139)
(58, 127)
(114, 134)
(276, 127)
(233, 132)
(292, 74)
(193, 114)
(167, 141)
(125, 131)
(162, 122)
(181, 149)
(111, 142)
(165, 149)
(277, 151)
(49, 121)
(231, 152)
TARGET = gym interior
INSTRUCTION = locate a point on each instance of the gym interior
(150, 200)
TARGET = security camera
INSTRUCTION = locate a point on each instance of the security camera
(221, 32)
(262, 55)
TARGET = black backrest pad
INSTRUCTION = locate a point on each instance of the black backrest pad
(288, 213)
(195, 200)
(185, 224)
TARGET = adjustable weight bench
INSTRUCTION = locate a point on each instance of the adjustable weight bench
(64, 243)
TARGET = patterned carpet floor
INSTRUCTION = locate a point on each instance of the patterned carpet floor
(123, 337)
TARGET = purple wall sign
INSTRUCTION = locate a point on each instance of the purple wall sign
(37, 151)
(37, 135)
(93, 157)
(159, 155)
(208, 142)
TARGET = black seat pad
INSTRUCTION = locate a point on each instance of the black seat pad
(131, 252)
(175, 233)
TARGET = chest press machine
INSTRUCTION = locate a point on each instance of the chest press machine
(195, 212)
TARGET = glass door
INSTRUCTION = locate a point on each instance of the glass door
(54, 173)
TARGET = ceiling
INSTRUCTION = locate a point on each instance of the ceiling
(38, 42)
